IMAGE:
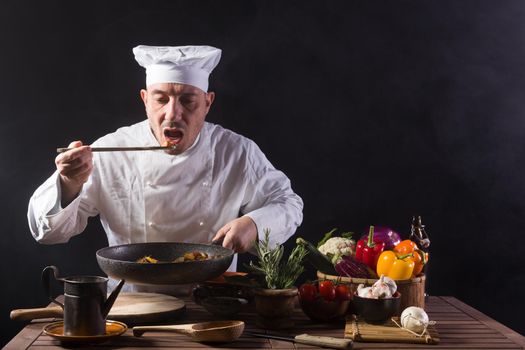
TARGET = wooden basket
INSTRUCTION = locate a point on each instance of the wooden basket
(412, 290)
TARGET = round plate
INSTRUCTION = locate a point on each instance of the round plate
(113, 329)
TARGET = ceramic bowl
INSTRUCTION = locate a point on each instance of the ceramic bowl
(321, 310)
(377, 310)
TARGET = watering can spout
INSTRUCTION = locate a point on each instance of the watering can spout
(111, 299)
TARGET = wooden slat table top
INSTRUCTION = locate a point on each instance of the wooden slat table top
(459, 325)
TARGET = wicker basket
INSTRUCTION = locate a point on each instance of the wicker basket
(412, 290)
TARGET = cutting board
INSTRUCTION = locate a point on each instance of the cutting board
(130, 308)
(361, 331)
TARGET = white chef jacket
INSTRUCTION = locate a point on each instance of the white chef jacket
(154, 196)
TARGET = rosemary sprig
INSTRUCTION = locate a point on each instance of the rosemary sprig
(278, 275)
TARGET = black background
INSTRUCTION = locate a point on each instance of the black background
(376, 110)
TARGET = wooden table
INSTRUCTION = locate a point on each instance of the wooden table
(459, 325)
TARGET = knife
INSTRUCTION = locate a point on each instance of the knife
(325, 342)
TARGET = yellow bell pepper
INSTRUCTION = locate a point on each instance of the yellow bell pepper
(397, 267)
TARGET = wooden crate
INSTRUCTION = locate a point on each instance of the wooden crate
(412, 290)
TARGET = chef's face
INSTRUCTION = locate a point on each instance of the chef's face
(176, 113)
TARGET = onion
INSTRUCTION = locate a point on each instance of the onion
(415, 319)
(385, 234)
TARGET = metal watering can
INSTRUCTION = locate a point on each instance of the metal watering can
(86, 304)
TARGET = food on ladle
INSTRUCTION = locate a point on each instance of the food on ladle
(170, 144)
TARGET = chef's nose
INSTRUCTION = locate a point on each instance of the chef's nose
(174, 110)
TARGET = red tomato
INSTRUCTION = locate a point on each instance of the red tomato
(342, 292)
(327, 290)
(307, 292)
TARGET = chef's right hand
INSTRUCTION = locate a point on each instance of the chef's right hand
(74, 168)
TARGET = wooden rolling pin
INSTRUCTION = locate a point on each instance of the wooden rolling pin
(40, 312)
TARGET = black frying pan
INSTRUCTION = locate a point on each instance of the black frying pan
(119, 262)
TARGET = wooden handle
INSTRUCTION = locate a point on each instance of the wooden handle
(327, 342)
(31, 314)
(184, 329)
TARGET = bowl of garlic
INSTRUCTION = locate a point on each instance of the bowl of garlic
(378, 303)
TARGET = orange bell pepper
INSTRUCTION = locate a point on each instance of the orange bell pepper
(395, 266)
(405, 247)
(420, 257)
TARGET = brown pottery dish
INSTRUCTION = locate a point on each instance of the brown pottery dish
(322, 310)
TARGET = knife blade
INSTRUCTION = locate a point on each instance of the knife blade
(325, 342)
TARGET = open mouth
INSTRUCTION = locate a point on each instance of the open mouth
(173, 136)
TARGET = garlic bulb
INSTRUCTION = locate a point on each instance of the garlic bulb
(391, 284)
(384, 287)
(380, 289)
(364, 292)
(415, 319)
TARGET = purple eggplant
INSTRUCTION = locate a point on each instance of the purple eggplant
(349, 267)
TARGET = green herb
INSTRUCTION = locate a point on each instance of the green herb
(278, 275)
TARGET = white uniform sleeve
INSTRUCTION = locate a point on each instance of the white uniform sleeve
(271, 202)
(48, 221)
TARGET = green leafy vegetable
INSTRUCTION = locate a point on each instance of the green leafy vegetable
(330, 234)
(326, 237)
(347, 235)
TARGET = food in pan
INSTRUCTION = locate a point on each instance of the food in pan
(190, 256)
(147, 260)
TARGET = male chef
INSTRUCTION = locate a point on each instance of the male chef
(212, 184)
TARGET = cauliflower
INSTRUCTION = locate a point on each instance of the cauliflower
(336, 247)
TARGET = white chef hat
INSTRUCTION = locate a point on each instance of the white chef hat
(178, 64)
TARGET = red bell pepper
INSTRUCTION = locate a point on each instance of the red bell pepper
(368, 250)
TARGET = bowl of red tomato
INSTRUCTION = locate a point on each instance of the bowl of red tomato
(325, 301)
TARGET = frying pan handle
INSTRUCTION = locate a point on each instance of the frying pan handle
(46, 281)
(36, 313)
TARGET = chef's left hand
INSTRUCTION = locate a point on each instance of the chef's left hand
(238, 234)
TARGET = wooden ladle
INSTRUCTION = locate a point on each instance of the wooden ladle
(214, 331)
